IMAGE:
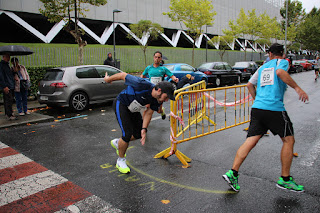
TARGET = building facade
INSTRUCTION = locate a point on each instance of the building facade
(22, 22)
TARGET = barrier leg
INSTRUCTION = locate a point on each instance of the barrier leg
(181, 157)
(163, 153)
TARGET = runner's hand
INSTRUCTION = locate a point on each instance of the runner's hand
(106, 78)
(302, 95)
(143, 136)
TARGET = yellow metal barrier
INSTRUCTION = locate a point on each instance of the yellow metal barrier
(198, 112)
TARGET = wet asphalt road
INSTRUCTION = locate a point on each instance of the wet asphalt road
(79, 149)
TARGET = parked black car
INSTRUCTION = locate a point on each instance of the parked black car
(220, 73)
(248, 68)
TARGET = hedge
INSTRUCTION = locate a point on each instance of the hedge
(36, 74)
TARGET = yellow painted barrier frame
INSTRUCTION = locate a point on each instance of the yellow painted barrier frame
(198, 117)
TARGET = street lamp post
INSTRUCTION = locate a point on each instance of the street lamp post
(114, 35)
(207, 42)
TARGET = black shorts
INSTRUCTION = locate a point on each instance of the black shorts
(129, 122)
(276, 121)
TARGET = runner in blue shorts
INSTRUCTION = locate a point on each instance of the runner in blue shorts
(267, 86)
(127, 106)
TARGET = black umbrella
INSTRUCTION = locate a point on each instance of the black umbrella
(15, 50)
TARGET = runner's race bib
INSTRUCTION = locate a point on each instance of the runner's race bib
(267, 77)
(135, 106)
(155, 80)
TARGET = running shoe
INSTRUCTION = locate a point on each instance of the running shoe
(163, 114)
(231, 180)
(122, 166)
(289, 185)
(114, 144)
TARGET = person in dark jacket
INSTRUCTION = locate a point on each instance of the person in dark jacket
(109, 61)
(185, 81)
(7, 86)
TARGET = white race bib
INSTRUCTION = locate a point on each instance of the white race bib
(267, 77)
(155, 80)
(135, 106)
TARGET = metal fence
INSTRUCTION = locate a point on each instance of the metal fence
(131, 58)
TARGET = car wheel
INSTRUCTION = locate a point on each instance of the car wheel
(204, 79)
(238, 80)
(79, 101)
(218, 82)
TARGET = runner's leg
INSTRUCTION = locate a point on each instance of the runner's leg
(244, 150)
(286, 155)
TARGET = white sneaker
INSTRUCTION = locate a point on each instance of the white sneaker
(122, 166)
(21, 113)
(27, 113)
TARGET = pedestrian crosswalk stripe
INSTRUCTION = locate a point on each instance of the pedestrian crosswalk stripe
(13, 160)
(26, 186)
(20, 171)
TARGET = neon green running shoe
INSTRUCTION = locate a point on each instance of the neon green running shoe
(289, 185)
(122, 166)
(163, 114)
(114, 144)
(231, 180)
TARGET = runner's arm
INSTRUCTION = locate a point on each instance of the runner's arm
(146, 120)
(286, 78)
(252, 89)
(115, 77)
(174, 78)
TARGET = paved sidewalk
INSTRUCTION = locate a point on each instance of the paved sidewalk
(34, 117)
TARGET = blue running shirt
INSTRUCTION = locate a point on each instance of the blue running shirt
(270, 88)
(138, 94)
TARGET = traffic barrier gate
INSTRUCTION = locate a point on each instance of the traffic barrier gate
(198, 111)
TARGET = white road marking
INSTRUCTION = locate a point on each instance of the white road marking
(312, 156)
(13, 160)
(23, 187)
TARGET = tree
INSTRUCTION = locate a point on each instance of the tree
(296, 13)
(309, 30)
(194, 14)
(57, 10)
(148, 29)
(223, 42)
(245, 26)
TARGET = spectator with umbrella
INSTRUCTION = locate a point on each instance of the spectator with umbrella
(22, 85)
(7, 83)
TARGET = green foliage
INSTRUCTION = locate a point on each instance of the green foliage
(142, 28)
(296, 13)
(224, 42)
(309, 30)
(36, 74)
(194, 14)
(57, 10)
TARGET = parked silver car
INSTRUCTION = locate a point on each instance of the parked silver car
(78, 86)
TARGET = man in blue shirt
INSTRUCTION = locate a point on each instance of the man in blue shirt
(128, 105)
(267, 87)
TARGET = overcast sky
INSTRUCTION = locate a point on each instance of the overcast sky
(309, 4)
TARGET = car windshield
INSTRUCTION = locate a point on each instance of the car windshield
(169, 67)
(53, 75)
(241, 64)
(205, 66)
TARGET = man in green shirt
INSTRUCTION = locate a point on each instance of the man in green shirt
(156, 74)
